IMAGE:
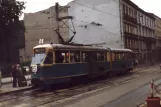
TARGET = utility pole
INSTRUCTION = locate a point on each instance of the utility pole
(61, 19)
(57, 17)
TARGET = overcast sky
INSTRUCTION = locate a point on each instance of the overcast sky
(152, 6)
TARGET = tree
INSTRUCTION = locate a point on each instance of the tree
(10, 11)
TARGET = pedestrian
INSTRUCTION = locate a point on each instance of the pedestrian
(14, 75)
(21, 78)
(0, 78)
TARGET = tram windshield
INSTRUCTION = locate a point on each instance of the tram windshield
(38, 58)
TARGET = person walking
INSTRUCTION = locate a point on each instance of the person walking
(21, 78)
(0, 78)
(14, 75)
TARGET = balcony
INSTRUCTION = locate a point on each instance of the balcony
(150, 39)
(129, 18)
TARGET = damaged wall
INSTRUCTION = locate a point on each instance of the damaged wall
(96, 21)
(41, 25)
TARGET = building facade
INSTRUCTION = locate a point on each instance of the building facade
(158, 37)
(96, 22)
(10, 47)
(111, 23)
(138, 30)
(41, 25)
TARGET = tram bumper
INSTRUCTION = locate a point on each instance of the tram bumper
(37, 81)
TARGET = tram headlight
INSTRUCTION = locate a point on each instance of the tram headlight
(34, 68)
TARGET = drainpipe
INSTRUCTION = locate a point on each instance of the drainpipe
(121, 26)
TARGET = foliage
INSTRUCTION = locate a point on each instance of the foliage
(10, 11)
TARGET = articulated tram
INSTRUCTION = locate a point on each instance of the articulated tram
(56, 63)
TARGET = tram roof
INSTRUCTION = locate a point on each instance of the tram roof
(120, 50)
(61, 46)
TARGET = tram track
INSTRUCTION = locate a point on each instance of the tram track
(58, 94)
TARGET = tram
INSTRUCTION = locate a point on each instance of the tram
(56, 63)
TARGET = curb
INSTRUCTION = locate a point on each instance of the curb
(9, 82)
(19, 90)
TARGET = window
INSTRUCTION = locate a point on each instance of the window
(124, 8)
(84, 56)
(129, 11)
(129, 56)
(126, 28)
(122, 56)
(49, 58)
(101, 56)
(74, 56)
(62, 57)
(113, 56)
(117, 56)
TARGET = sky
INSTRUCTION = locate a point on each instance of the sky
(153, 6)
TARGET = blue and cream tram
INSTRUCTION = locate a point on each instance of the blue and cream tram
(55, 63)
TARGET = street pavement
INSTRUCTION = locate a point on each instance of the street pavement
(7, 85)
(128, 94)
(9, 79)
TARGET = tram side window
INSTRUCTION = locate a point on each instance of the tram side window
(84, 56)
(108, 56)
(105, 56)
(129, 56)
(62, 57)
(74, 56)
(100, 56)
(49, 58)
(117, 56)
(113, 56)
(122, 56)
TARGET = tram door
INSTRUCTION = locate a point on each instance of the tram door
(92, 62)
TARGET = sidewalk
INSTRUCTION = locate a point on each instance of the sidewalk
(7, 86)
(8, 80)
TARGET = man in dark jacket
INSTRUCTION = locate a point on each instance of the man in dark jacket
(14, 75)
(0, 78)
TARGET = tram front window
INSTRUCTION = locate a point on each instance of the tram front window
(38, 58)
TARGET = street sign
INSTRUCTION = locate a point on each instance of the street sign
(41, 41)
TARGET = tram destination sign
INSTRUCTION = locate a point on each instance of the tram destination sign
(39, 50)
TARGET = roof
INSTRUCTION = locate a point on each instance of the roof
(138, 8)
(61, 46)
(121, 50)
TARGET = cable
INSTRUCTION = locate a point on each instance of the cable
(95, 9)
